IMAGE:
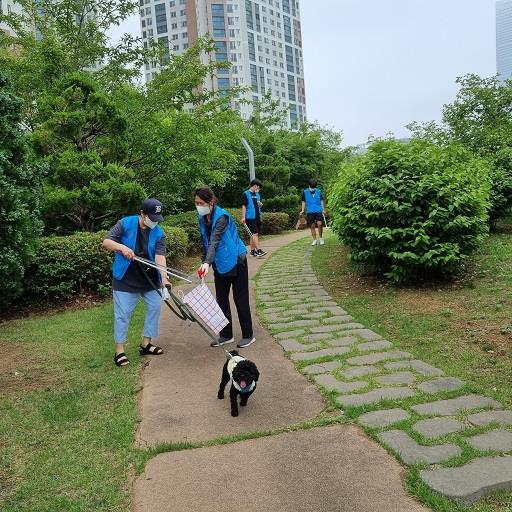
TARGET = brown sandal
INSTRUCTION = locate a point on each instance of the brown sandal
(151, 350)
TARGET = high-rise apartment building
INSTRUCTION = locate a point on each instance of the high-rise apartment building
(504, 39)
(6, 7)
(261, 38)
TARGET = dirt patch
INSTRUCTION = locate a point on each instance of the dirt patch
(22, 371)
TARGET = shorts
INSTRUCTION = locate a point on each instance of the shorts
(313, 218)
(254, 225)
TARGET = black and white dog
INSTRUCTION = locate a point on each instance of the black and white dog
(243, 375)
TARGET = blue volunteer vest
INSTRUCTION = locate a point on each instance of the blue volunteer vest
(229, 247)
(251, 211)
(313, 203)
(129, 238)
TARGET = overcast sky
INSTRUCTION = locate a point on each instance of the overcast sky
(373, 66)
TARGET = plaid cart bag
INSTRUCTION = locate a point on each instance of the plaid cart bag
(202, 302)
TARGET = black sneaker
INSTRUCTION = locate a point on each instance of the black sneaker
(254, 253)
(260, 253)
(221, 341)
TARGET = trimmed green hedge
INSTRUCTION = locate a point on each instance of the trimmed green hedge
(69, 265)
(273, 223)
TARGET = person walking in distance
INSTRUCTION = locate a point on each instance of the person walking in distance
(137, 235)
(313, 202)
(251, 216)
(227, 254)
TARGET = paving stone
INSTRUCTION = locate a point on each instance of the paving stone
(272, 303)
(487, 417)
(455, 405)
(374, 345)
(378, 357)
(359, 371)
(334, 310)
(342, 342)
(442, 384)
(338, 319)
(331, 383)
(413, 453)
(302, 356)
(417, 365)
(396, 378)
(289, 334)
(317, 314)
(437, 427)
(381, 419)
(294, 346)
(317, 337)
(375, 395)
(271, 311)
(315, 369)
(296, 323)
(472, 481)
(367, 334)
(339, 327)
(498, 440)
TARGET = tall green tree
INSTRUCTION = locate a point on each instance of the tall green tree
(19, 196)
(81, 138)
(480, 119)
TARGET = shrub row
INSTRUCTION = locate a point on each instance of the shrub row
(68, 265)
(273, 223)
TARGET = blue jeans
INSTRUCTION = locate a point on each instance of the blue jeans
(124, 304)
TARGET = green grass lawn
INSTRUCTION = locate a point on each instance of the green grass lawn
(67, 414)
(464, 327)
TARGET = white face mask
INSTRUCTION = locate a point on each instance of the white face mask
(203, 210)
(149, 223)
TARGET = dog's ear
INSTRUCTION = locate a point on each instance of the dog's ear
(234, 353)
(255, 372)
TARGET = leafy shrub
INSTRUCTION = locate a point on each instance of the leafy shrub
(289, 204)
(67, 265)
(411, 210)
(273, 223)
(188, 222)
(177, 243)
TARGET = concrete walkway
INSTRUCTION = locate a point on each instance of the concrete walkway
(332, 468)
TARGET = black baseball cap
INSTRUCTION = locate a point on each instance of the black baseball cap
(153, 209)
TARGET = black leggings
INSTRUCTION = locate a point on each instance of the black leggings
(239, 278)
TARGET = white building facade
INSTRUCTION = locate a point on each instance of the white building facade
(261, 38)
(504, 39)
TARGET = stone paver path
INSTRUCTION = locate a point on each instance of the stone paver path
(327, 468)
(422, 415)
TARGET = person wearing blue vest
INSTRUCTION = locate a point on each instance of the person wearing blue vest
(313, 202)
(137, 235)
(227, 254)
(251, 216)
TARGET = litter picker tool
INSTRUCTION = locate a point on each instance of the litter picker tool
(325, 221)
(248, 230)
(172, 272)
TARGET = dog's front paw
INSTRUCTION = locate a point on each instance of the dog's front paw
(243, 404)
(220, 395)
(234, 414)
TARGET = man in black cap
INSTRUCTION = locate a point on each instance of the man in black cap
(137, 235)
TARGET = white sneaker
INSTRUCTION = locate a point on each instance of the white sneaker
(313, 242)
(322, 241)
